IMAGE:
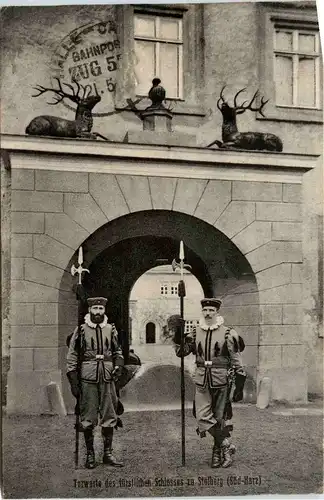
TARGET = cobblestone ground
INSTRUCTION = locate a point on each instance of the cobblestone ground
(276, 453)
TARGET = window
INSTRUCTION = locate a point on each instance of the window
(169, 289)
(189, 324)
(181, 37)
(150, 333)
(290, 68)
(297, 67)
(158, 43)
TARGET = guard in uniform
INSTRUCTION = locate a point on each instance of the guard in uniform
(218, 357)
(100, 365)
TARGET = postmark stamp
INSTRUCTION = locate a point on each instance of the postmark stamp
(90, 55)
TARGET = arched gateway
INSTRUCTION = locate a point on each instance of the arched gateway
(119, 252)
(242, 239)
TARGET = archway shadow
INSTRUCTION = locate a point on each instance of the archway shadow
(157, 386)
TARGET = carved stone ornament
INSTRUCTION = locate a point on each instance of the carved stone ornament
(156, 117)
(232, 138)
(157, 94)
(47, 125)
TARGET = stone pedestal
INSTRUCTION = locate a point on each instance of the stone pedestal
(157, 119)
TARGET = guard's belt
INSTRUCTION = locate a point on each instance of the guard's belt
(216, 364)
(97, 357)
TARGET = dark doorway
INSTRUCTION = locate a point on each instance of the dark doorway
(150, 333)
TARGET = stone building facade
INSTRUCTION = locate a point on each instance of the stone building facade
(153, 299)
(251, 221)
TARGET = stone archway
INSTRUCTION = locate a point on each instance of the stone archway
(255, 261)
(119, 252)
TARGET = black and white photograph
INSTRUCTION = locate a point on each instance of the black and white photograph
(162, 249)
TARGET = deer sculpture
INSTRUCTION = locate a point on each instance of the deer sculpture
(61, 127)
(232, 138)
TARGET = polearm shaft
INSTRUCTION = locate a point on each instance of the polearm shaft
(80, 296)
(182, 294)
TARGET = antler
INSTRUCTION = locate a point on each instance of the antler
(236, 96)
(86, 91)
(60, 93)
(243, 107)
(221, 98)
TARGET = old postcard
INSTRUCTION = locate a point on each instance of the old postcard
(162, 250)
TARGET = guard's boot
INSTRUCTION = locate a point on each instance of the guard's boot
(217, 451)
(108, 457)
(216, 456)
(228, 451)
(90, 462)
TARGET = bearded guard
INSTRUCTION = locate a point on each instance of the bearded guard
(218, 362)
(101, 365)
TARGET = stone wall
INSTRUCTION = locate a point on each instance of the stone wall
(312, 278)
(39, 288)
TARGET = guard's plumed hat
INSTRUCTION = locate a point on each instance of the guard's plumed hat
(97, 301)
(211, 303)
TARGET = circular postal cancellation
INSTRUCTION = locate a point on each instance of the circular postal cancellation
(89, 56)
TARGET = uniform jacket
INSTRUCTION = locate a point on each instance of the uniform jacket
(216, 350)
(100, 351)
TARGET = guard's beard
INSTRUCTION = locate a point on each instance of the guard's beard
(97, 318)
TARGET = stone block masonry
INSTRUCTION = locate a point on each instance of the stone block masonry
(48, 180)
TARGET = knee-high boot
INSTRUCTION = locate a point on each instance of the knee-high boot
(217, 451)
(90, 462)
(108, 457)
(216, 455)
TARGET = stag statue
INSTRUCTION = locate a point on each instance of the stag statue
(60, 127)
(232, 138)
